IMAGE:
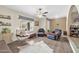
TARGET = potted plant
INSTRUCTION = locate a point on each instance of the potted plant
(48, 30)
(6, 30)
(6, 35)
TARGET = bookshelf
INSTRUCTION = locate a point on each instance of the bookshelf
(74, 30)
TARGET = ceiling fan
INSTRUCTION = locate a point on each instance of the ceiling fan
(42, 13)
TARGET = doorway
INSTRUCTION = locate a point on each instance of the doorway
(73, 13)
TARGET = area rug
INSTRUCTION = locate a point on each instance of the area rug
(39, 47)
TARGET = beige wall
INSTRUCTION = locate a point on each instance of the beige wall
(61, 21)
(47, 25)
(15, 22)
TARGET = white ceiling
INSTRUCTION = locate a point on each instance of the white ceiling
(53, 10)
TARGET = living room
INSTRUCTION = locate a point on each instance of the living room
(38, 29)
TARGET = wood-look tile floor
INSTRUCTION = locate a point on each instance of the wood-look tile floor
(75, 40)
(59, 46)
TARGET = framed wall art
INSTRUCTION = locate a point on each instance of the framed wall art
(36, 23)
(5, 17)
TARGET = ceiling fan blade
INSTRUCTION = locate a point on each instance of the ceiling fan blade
(45, 12)
(44, 15)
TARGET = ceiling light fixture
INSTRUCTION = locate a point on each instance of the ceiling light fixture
(41, 14)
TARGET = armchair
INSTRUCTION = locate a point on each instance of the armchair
(55, 34)
(41, 32)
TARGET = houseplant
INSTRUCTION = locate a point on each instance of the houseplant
(6, 30)
(49, 30)
(6, 35)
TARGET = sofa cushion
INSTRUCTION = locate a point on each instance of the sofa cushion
(51, 37)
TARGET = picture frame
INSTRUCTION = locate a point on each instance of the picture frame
(5, 17)
(36, 23)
